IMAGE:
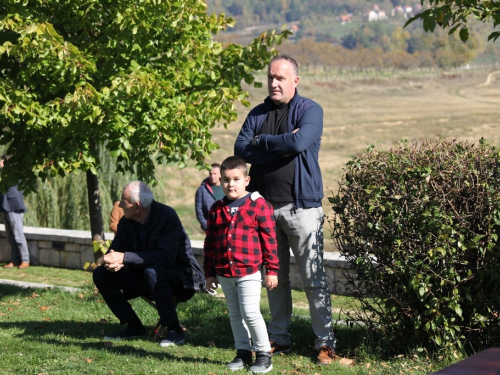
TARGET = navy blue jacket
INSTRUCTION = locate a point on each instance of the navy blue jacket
(161, 240)
(203, 201)
(304, 114)
(12, 201)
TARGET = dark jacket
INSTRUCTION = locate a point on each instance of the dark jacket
(12, 201)
(304, 114)
(203, 201)
(163, 242)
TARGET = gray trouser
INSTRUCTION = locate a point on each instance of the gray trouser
(302, 231)
(14, 230)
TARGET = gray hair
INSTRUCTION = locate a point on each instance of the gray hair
(291, 60)
(140, 192)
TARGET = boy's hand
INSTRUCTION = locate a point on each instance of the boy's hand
(211, 285)
(271, 281)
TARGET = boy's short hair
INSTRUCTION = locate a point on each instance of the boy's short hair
(234, 162)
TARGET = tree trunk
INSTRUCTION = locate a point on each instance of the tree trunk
(95, 211)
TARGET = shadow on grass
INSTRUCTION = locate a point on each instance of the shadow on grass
(205, 317)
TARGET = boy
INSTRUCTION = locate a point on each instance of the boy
(240, 238)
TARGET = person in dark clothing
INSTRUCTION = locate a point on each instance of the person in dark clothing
(150, 255)
(13, 209)
(209, 192)
(281, 138)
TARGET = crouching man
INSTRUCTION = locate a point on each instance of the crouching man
(150, 255)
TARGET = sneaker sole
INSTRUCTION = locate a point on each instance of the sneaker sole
(236, 369)
(167, 344)
(264, 371)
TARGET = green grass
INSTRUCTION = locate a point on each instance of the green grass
(49, 331)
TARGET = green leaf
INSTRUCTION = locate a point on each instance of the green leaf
(464, 34)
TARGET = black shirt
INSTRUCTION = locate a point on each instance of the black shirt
(275, 181)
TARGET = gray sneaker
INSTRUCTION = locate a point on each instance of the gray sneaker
(262, 363)
(173, 338)
(243, 358)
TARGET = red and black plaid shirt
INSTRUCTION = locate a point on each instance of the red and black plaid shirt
(238, 245)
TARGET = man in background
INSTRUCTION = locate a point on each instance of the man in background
(209, 192)
(13, 209)
(116, 214)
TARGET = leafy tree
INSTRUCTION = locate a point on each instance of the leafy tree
(455, 14)
(143, 80)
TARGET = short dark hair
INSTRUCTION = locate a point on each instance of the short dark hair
(291, 60)
(215, 165)
(234, 162)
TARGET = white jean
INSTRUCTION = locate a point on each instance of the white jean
(243, 303)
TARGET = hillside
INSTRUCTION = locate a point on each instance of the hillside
(342, 33)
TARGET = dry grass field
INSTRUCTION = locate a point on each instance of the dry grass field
(362, 109)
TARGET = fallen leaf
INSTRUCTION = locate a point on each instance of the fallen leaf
(347, 362)
(80, 295)
(34, 295)
(384, 364)
(111, 372)
(46, 319)
(368, 365)
(88, 360)
(10, 309)
(15, 303)
(43, 308)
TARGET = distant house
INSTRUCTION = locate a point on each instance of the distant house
(345, 18)
(373, 16)
(376, 14)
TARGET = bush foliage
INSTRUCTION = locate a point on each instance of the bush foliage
(418, 224)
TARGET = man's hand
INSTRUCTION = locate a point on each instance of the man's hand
(211, 284)
(113, 261)
(271, 281)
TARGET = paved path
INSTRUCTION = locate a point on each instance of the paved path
(25, 284)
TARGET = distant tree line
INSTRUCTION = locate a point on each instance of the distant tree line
(377, 46)
(320, 38)
(254, 12)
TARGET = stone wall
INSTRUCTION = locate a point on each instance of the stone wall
(73, 248)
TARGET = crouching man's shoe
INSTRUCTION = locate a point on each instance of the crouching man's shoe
(23, 265)
(173, 338)
(127, 333)
(9, 265)
(326, 355)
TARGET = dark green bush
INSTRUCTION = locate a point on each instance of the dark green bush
(418, 224)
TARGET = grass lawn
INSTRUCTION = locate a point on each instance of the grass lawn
(50, 331)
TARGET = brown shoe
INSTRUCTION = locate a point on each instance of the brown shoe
(277, 348)
(9, 265)
(23, 265)
(326, 355)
